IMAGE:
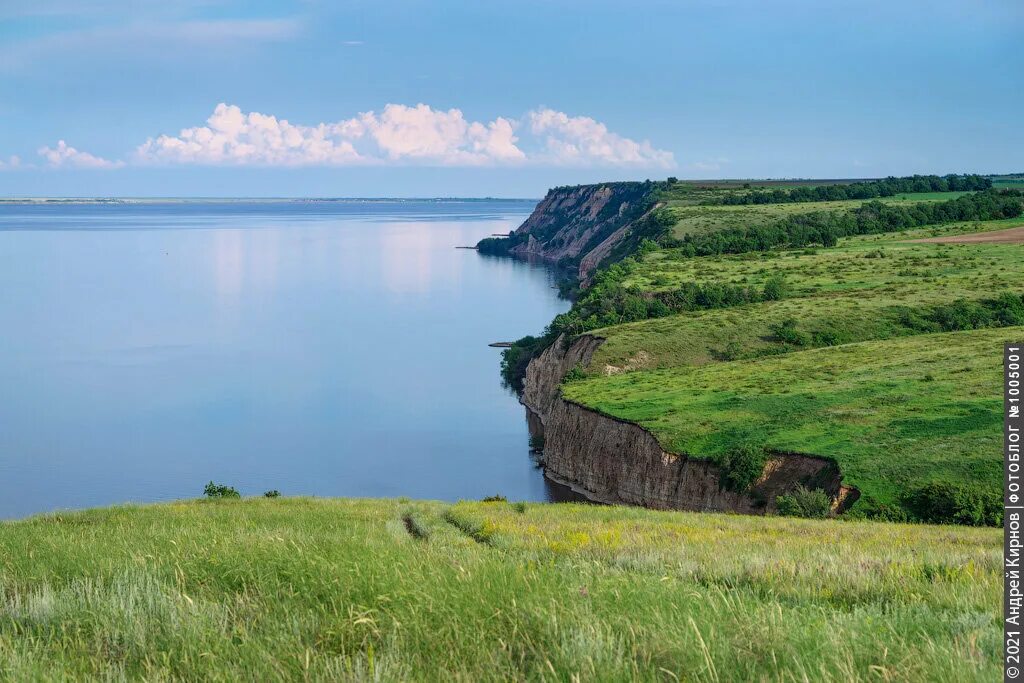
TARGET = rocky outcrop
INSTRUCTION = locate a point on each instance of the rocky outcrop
(615, 461)
(580, 226)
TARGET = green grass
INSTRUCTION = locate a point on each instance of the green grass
(692, 218)
(303, 589)
(868, 262)
(855, 290)
(893, 414)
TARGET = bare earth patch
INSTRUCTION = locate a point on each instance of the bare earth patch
(1008, 236)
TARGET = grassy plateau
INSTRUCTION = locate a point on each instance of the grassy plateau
(319, 589)
(744, 333)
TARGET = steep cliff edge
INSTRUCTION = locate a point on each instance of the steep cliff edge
(582, 226)
(616, 461)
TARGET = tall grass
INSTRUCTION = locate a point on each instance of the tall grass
(299, 589)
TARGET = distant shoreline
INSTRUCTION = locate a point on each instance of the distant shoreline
(255, 200)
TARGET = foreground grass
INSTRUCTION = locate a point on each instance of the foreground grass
(391, 590)
(894, 414)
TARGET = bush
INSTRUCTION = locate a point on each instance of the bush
(575, 374)
(775, 288)
(272, 493)
(733, 350)
(220, 491)
(803, 502)
(787, 333)
(742, 465)
(537, 443)
(826, 338)
(496, 498)
(944, 502)
(869, 508)
(519, 507)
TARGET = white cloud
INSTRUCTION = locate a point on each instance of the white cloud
(401, 134)
(65, 156)
(10, 162)
(580, 140)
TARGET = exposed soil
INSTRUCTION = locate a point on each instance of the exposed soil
(1008, 236)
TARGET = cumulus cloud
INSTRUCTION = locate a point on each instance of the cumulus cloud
(65, 156)
(401, 134)
(10, 162)
(582, 140)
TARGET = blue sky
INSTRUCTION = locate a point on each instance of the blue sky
(410, 98)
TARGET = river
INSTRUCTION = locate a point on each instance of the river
(327, 348)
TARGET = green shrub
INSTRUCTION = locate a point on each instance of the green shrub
(826, 338)
(869, 508)
(787, 333)
(733, 350)
(519, 507)
(496, 498)
(272, 493)
(803, 502)
(220, 491)
(575, 374)
(775, 288)
(944, 502)
(742, 465)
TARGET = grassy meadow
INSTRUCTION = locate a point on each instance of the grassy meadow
(367, 590)
(858, 290)
(880, 351)
(893, 414)
(691, 218)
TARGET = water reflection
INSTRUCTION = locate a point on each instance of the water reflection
(314, 349)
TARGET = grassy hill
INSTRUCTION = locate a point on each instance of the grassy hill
(864, 331)
(390, 590)
(895, 415)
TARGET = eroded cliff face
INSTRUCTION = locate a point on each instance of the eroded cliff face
(581, 225)
(615, 461)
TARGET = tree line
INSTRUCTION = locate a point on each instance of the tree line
(825, 228)
(870, 189)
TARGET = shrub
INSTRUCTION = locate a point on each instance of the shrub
(537, 443)
(496, 498)
(869, 508)
(774, 288)
(786, 332)
(803, 502)
(742, 465)
(944, 502)
(519, 507)
(826, 338)
(733, 350)
(272, 493)
(220, 491)
(575, 374)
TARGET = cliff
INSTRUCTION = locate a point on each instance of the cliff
(582, 226)
(614, 461)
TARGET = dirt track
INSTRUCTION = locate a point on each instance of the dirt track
(1008, 236)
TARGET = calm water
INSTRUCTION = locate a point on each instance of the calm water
(324, 348)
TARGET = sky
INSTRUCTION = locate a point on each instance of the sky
(408, 98)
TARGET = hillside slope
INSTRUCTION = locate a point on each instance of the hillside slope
(320, 589)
